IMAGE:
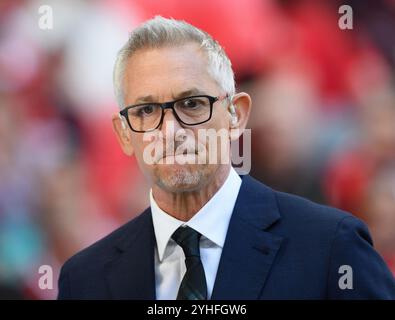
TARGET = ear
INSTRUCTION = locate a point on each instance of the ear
(242, 105)
(123, 133)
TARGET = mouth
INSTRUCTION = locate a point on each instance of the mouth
(186, 152)
(182, 153)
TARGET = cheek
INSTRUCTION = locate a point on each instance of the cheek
(139, 146)
(220, 119)
(216, 141)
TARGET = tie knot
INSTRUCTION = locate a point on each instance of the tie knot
(188, 239)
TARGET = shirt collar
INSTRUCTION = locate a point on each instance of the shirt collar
(212, 220)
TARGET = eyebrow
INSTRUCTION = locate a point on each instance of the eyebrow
(180, 95)
(189, 92)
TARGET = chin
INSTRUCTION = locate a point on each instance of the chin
(179, 178)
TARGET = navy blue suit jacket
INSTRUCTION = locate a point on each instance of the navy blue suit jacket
(278, 246)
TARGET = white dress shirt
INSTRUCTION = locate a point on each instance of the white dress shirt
(212, 221)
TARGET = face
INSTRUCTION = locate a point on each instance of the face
(177, 153)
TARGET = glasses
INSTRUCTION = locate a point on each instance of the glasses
(189, 111)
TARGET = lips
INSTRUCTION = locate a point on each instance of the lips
(183, 151)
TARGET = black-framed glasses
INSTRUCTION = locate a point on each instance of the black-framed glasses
(189, 111)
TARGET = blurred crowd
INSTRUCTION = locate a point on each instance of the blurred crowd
(323, 119)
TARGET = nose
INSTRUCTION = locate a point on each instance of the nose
(170, 124)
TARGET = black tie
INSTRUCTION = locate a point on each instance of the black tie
(193, 285)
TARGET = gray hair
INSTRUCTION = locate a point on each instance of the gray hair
(161, 32)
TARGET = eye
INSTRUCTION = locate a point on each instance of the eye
(145, 110)
(192, 103)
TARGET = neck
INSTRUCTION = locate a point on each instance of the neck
(184, 205)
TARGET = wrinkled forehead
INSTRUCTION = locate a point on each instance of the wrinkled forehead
(168, 72)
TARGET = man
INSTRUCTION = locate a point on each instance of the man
(210, 234)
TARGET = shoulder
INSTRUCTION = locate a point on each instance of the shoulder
(299, 209)
(309, 221)
(302, 221)
(296, 210)
(106, 248)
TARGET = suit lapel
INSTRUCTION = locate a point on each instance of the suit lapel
(249, 250)
(131, 275)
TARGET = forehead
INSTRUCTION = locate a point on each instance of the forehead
(164, 72)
